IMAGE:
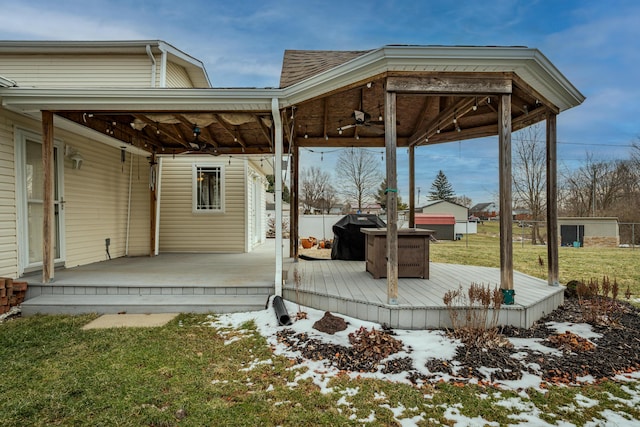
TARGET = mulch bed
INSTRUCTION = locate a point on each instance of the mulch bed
(616, 352)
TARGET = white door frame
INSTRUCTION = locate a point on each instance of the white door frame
(21, 138)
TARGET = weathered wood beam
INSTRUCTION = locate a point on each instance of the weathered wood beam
(464, 134)
(534, 94)
(169, 135)
(552, 201)
(506, 222)
(449, 85)
(390, 112)
(48, 224)
(412, 186)
(457, 110)
(295, 202)
(266, 132)
(527, 119)
(232, 132)
(345, 141)
(153, 198)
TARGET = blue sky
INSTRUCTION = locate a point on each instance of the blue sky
(594, 44)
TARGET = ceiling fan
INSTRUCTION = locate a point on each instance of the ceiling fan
(200, 146)
(363, 119)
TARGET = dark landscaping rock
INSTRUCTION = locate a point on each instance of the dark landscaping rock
(330, 324)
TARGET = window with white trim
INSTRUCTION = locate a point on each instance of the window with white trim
(208, 188)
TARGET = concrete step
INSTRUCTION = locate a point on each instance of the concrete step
(140, 304)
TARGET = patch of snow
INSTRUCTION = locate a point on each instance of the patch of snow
(371, 418)
(13, 311)
(610, 418)
(585, 402)
(533, 344)
(379, 396)
(453, 413)
(255, 363)
(583, 330)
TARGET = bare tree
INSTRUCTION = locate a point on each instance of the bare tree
(358, 173)
(529, 177)
(315, 187)
(463, 201)
(329, 199)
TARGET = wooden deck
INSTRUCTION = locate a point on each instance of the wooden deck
(241, 282)
(345, 287)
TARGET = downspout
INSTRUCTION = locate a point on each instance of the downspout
(277, 166)
(153, 66)
(163, 67)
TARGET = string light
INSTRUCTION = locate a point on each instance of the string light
(475, 104)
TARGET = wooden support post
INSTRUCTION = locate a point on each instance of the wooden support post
(294, 204)
(48, 226)
(552, 200)
(506, 209)
(153, 197)
(392, 198)
(412, 186)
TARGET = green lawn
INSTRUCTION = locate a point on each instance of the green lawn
(483, 249)
(190, 374)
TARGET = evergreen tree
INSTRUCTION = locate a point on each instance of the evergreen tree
(441, 189)
(271, 188)
(381, 197)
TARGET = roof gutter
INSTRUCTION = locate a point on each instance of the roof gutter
(153, 65)
(4, 82)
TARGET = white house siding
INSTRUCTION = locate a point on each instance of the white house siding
(97, 197)
(78, 70)
(8, 225)
(177, 76)
(461, 213)
(181, 230)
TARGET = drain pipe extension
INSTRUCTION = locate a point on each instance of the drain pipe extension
(281, 311)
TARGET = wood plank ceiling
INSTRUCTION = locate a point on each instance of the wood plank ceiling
(349, 117)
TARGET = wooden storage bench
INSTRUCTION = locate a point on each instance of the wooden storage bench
(413, 252)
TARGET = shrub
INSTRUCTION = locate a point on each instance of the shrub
(474, 314)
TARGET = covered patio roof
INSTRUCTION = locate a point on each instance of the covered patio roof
(394, 96)
(327, 99)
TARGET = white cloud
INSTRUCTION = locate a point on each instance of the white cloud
(21, 21)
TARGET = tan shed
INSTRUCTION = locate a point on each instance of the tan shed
(589, 232)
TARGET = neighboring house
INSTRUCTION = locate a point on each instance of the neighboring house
(522, 214)
(461, 214)
(103, 186)
(484, 211)
(589, 232)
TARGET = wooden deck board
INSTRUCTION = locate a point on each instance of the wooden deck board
(348, 280)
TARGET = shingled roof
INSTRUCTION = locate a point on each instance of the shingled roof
(299, 65)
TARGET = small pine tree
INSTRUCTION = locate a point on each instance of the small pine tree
(441, 189)
(381, 197)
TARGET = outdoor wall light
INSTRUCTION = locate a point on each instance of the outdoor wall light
(77, 160)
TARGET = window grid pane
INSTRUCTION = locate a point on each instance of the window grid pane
(209, 188)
